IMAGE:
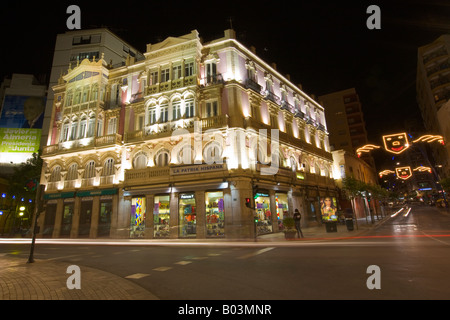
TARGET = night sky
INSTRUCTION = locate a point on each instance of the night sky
(324, 45)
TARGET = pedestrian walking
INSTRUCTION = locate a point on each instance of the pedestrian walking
(297, 219)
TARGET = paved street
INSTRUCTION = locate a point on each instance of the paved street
(411, 250)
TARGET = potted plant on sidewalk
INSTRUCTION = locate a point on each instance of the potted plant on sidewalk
(289, 228)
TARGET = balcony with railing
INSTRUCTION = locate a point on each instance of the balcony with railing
(161, 130)
(172, 84)
(85, 143)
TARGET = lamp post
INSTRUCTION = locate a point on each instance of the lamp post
(38, 208)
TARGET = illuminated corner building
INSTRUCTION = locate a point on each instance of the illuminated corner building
(433, 91)
(172, 146)
(72, 47)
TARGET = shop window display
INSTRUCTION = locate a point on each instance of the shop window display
(263, 214)
(215, 225)
(188, 215)
(137, 217)
(161, 216)
(282, 208)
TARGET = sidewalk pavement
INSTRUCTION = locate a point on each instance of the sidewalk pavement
(46, 280)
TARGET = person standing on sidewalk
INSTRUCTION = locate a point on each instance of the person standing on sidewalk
(297, 219)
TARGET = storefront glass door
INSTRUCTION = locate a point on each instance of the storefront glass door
(138, 207)
(187, 215)
(215, 223)
(263, 213)
(282, 208)
(161, 216)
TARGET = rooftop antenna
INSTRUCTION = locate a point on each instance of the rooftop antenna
(231, 23)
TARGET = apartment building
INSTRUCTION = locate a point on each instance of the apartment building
(433, 91)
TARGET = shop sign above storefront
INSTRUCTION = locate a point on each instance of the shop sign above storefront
(198, 168)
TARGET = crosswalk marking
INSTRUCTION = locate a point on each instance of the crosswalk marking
(256, 253)
(162, 269)
(137, 276)
(183, 263)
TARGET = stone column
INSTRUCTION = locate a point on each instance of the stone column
(200, 214)
(174, 216)
(76, 218)
(273, 210)
(94, 217)
(149, 221)
(58, 218)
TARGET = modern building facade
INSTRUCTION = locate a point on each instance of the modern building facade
(175, 145)
(72, 47)
(433, 91)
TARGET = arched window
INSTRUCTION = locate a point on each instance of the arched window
(186, 155)
(189, 111)
(212, 153)
(83, 126)
(293, 164)
(65, 131)
(108, 167)
(140, 160)
(73, 129)
(72, 173)
(176, 109)
(162, 158)
(91, 126)
(151, 114)
(56, 174)
(89, 171)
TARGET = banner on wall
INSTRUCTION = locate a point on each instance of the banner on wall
(21, 122)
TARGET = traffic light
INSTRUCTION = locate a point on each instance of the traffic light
(248, 204)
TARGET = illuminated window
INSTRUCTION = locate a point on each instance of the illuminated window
(140, 160)
(152, 115)
(108, 167)
(162, 158)
(188, 69)
(164, 113)
(112, 126)
(176, 110)
(72, 173)
(89, 171)
(186, 155)
(211, 109)
(83, 124)
(189, 111)
(176, 72)
(165, 75)
(212, 153)
(56, 174)
(153, 78)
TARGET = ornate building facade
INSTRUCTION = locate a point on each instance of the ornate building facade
(174, 145)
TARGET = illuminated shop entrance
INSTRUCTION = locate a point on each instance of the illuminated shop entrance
(187, 215)
(161, 216)
(137, 217)
(263, 213)
(281, 200)
(215, 222)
